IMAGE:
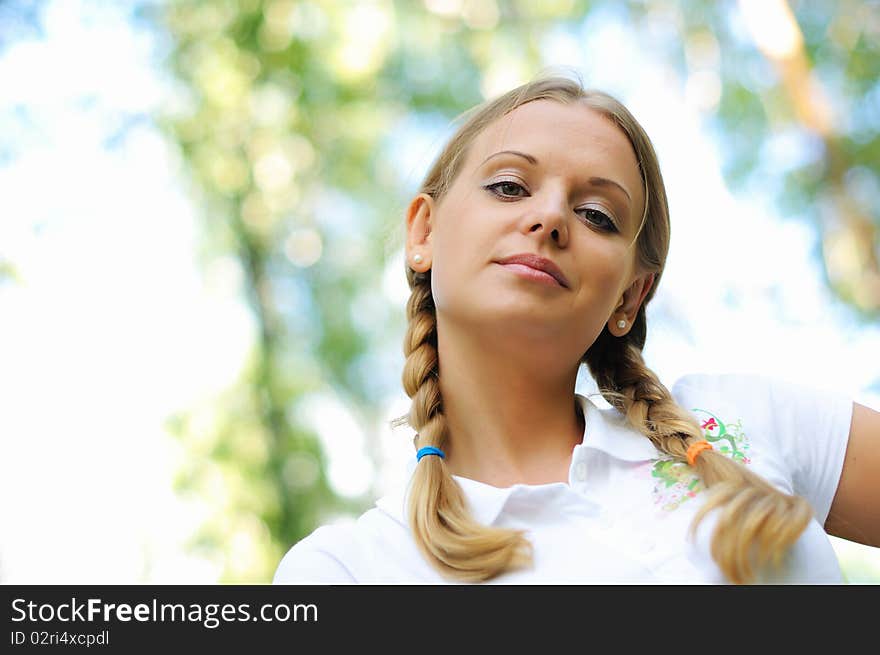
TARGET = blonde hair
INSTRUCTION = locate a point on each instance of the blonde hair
(756, 522)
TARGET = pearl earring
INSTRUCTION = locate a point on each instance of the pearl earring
(621, 324)
(417, 259)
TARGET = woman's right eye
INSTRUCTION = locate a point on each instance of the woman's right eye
(507, 189)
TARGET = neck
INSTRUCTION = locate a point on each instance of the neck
(512, 417)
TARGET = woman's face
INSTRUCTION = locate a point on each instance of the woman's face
(558, 181)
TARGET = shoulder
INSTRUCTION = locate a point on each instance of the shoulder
(318, 558)
(342, 553)
(749, 385)
(761, 396)
(741, 384)
(720, 401)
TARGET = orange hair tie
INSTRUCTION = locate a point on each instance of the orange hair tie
(696, 448)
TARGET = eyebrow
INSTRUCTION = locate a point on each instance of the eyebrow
(595, 181)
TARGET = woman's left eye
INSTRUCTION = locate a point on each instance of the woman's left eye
(598, 218)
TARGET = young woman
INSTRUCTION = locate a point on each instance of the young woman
(537, 239)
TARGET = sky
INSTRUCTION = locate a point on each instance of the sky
(112, 324)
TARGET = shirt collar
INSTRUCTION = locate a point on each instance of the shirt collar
(484, 500)
(605, 430)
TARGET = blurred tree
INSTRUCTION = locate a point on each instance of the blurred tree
(290, 113)
(800, 105)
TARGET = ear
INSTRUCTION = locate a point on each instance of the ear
(419, 223)
(628, 306)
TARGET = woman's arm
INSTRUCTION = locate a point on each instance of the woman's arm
(855, 511)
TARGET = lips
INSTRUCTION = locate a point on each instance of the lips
(538, 263)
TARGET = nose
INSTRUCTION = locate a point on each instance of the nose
(549, 215)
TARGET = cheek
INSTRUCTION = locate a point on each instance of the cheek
(440, 283)
(602, 277)
(451, 263)
(461, 245)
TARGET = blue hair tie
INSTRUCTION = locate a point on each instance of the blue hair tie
(429, 450)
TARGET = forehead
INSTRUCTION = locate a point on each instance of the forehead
(563, 134)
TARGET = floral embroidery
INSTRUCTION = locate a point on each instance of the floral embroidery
(728, 439)
(676, 482)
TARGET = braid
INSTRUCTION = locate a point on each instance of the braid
(421, 368)
(757, 523)
(445, 532)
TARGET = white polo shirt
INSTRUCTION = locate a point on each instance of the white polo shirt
(624, 514)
